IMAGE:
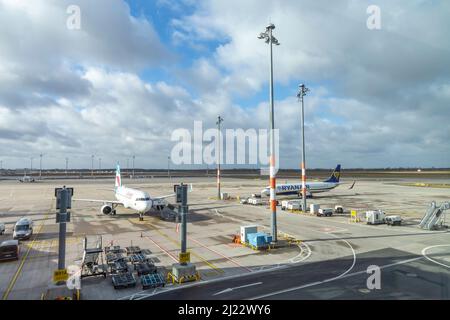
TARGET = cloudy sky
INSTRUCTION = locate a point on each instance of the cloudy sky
(136, 71)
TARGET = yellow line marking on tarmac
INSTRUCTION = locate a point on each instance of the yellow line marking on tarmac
(22, 262)
(54, 243)
(210, 264)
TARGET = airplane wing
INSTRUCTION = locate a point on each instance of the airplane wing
(101, 201)
(191, 188)
(164, 197)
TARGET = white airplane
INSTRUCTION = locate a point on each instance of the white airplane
(311, 187)
(129, 198)
(26, 178)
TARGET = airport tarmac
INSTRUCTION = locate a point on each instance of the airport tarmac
(330, 263)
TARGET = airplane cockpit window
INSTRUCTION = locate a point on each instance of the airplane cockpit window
(142, 199)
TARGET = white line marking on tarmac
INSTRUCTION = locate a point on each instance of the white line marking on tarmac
(240, 287)
(145, 294)
(293, 260)
(332, 279)
(402, 230)
(432, 260)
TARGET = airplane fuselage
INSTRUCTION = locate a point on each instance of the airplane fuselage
(296, 188)
(135, 199)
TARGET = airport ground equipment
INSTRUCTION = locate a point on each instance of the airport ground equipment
(113, 249)
(375, 217)
(152, 281)
(133, 250)
(117, 267)
(183, 273)
(224, 196)
(393, 220)
(137, 258)
(2, 228)
(61, 293)
(294, 205)
(145, 268)
(354, 216)
(184, 270)
(434, 216)
(147, 254)
(338, 209)
(219, 122)
(259, 240)
(123, 280)
(63, 202)
(314, 208)
(245, 230)
(325, 212)
(92, 264)
(9, 250)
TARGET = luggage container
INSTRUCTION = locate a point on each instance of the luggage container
(327, 212)
(257, 240)
(244, 200)
(268, 238)
(314, 208)
(284, 204)
(152, 281)
(245, 230)
(393, 220)
(338, 209)
(257, 201)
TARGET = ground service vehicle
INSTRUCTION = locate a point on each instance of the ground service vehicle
(9, 250)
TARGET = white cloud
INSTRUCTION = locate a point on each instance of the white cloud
(387, 88)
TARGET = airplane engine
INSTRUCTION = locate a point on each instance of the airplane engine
(106, 209)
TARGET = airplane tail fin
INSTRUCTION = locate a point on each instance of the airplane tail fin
(335, 175)
(118, 177)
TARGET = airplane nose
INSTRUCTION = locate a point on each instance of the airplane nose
(143, 207)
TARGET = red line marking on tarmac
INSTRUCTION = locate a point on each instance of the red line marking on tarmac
(167, 252)
(236, 263)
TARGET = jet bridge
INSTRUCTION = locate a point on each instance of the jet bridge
(435, 216)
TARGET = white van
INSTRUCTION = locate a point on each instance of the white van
(393, 220)
(23, 229)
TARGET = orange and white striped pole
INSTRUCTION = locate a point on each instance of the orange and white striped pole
(273, 184)
(219, 138)
(301, 94)
(268, 37)
(304, 187)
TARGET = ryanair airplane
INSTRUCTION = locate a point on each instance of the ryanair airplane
(311, 187)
